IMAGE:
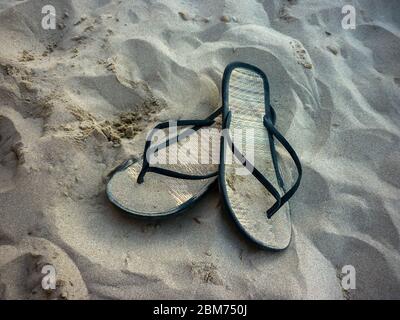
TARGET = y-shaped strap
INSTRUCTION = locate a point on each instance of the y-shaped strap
(197, 124)
(257, 174)
(280, 201)
(273, 131)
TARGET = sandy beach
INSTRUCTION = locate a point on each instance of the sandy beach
(77, 100)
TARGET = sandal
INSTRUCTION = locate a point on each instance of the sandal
(143, 189)
(256, 197)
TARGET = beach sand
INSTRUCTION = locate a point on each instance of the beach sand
(65, 95)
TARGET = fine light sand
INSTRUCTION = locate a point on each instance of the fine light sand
(78, 100)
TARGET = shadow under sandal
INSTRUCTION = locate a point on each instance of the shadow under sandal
(169, 177)
(252, 176)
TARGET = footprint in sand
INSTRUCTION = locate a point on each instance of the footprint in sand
(301, 55)
(22, 272)
(11, 153)
(206, 272)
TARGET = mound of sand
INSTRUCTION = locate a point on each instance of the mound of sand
(76, 101)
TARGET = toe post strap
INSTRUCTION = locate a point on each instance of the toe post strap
(269, 123)
(276, 134)
(148, 149)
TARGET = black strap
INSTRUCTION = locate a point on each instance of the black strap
(273, 132)
(271, 129)
(197, 124)
(257, 174)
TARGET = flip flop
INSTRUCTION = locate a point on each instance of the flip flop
(256, 197)
(144, 189)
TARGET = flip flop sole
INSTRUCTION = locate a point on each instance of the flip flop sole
(160, 196)
(246, 199)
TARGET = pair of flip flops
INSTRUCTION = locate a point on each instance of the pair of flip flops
(177, 170)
